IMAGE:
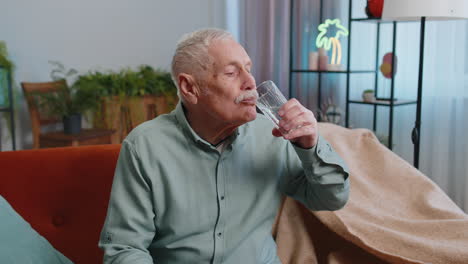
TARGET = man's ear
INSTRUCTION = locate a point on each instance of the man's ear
(189, 88)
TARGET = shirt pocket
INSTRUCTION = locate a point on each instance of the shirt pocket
(268, 253)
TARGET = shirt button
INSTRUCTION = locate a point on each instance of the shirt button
(219, 234)
(222, 197)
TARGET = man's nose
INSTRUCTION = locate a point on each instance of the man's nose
(248, 82)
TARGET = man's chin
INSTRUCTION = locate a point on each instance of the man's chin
(249, 115)
(252, 115)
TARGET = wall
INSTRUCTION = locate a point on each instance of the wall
(87, 35)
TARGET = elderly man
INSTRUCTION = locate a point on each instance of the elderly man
(203, 184)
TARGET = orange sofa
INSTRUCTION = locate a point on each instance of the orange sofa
(63, 194)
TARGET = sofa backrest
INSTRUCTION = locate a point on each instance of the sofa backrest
(63, 193)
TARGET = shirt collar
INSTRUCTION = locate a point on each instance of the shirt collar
(185, 126)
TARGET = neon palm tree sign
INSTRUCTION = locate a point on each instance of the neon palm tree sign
(325, 42)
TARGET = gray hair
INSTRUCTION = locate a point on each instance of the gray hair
(191, 55)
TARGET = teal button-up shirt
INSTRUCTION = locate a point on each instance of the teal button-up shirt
(176, 199)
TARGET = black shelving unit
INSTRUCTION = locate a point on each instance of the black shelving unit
(389, 102)
(9, 108)
(321, 73)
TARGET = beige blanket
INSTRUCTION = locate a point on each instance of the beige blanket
(395, 214)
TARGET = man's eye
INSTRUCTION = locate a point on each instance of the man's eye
(230, 73)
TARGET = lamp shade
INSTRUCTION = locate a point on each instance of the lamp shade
(410, 10)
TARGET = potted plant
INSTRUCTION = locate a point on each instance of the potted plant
(368, 95)
(66, 102)
(129, 97)
(6, 68)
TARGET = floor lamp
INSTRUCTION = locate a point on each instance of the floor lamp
(423, 10)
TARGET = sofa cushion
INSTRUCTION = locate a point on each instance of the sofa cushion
(63, 193)
(19, 243)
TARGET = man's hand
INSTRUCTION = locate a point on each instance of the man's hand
(297, 124)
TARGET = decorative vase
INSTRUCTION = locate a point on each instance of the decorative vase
(313, 61)
(323, 63)
(322, 59)
(72, 124)
(374, 8)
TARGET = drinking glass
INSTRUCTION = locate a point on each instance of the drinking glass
(270, 99)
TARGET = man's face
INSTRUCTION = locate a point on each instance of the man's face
(229, 89)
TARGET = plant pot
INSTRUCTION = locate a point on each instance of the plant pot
(122, 114)
(72, 124)
(368, 97)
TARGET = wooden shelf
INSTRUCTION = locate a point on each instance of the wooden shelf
(85, 137)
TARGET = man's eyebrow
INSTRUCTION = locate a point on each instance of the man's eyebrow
(236, 63)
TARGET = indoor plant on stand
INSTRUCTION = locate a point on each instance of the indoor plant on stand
(67, 102)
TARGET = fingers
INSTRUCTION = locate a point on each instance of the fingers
(290, 115)
(297, 124)
(309, 130)
(294, 115)
(288, 105)
(296, 120)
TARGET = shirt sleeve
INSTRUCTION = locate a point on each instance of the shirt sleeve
(129, 227)
(317, 177)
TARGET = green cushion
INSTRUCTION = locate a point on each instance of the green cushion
(20, 243)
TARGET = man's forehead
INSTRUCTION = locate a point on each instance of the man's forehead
(228, 52)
